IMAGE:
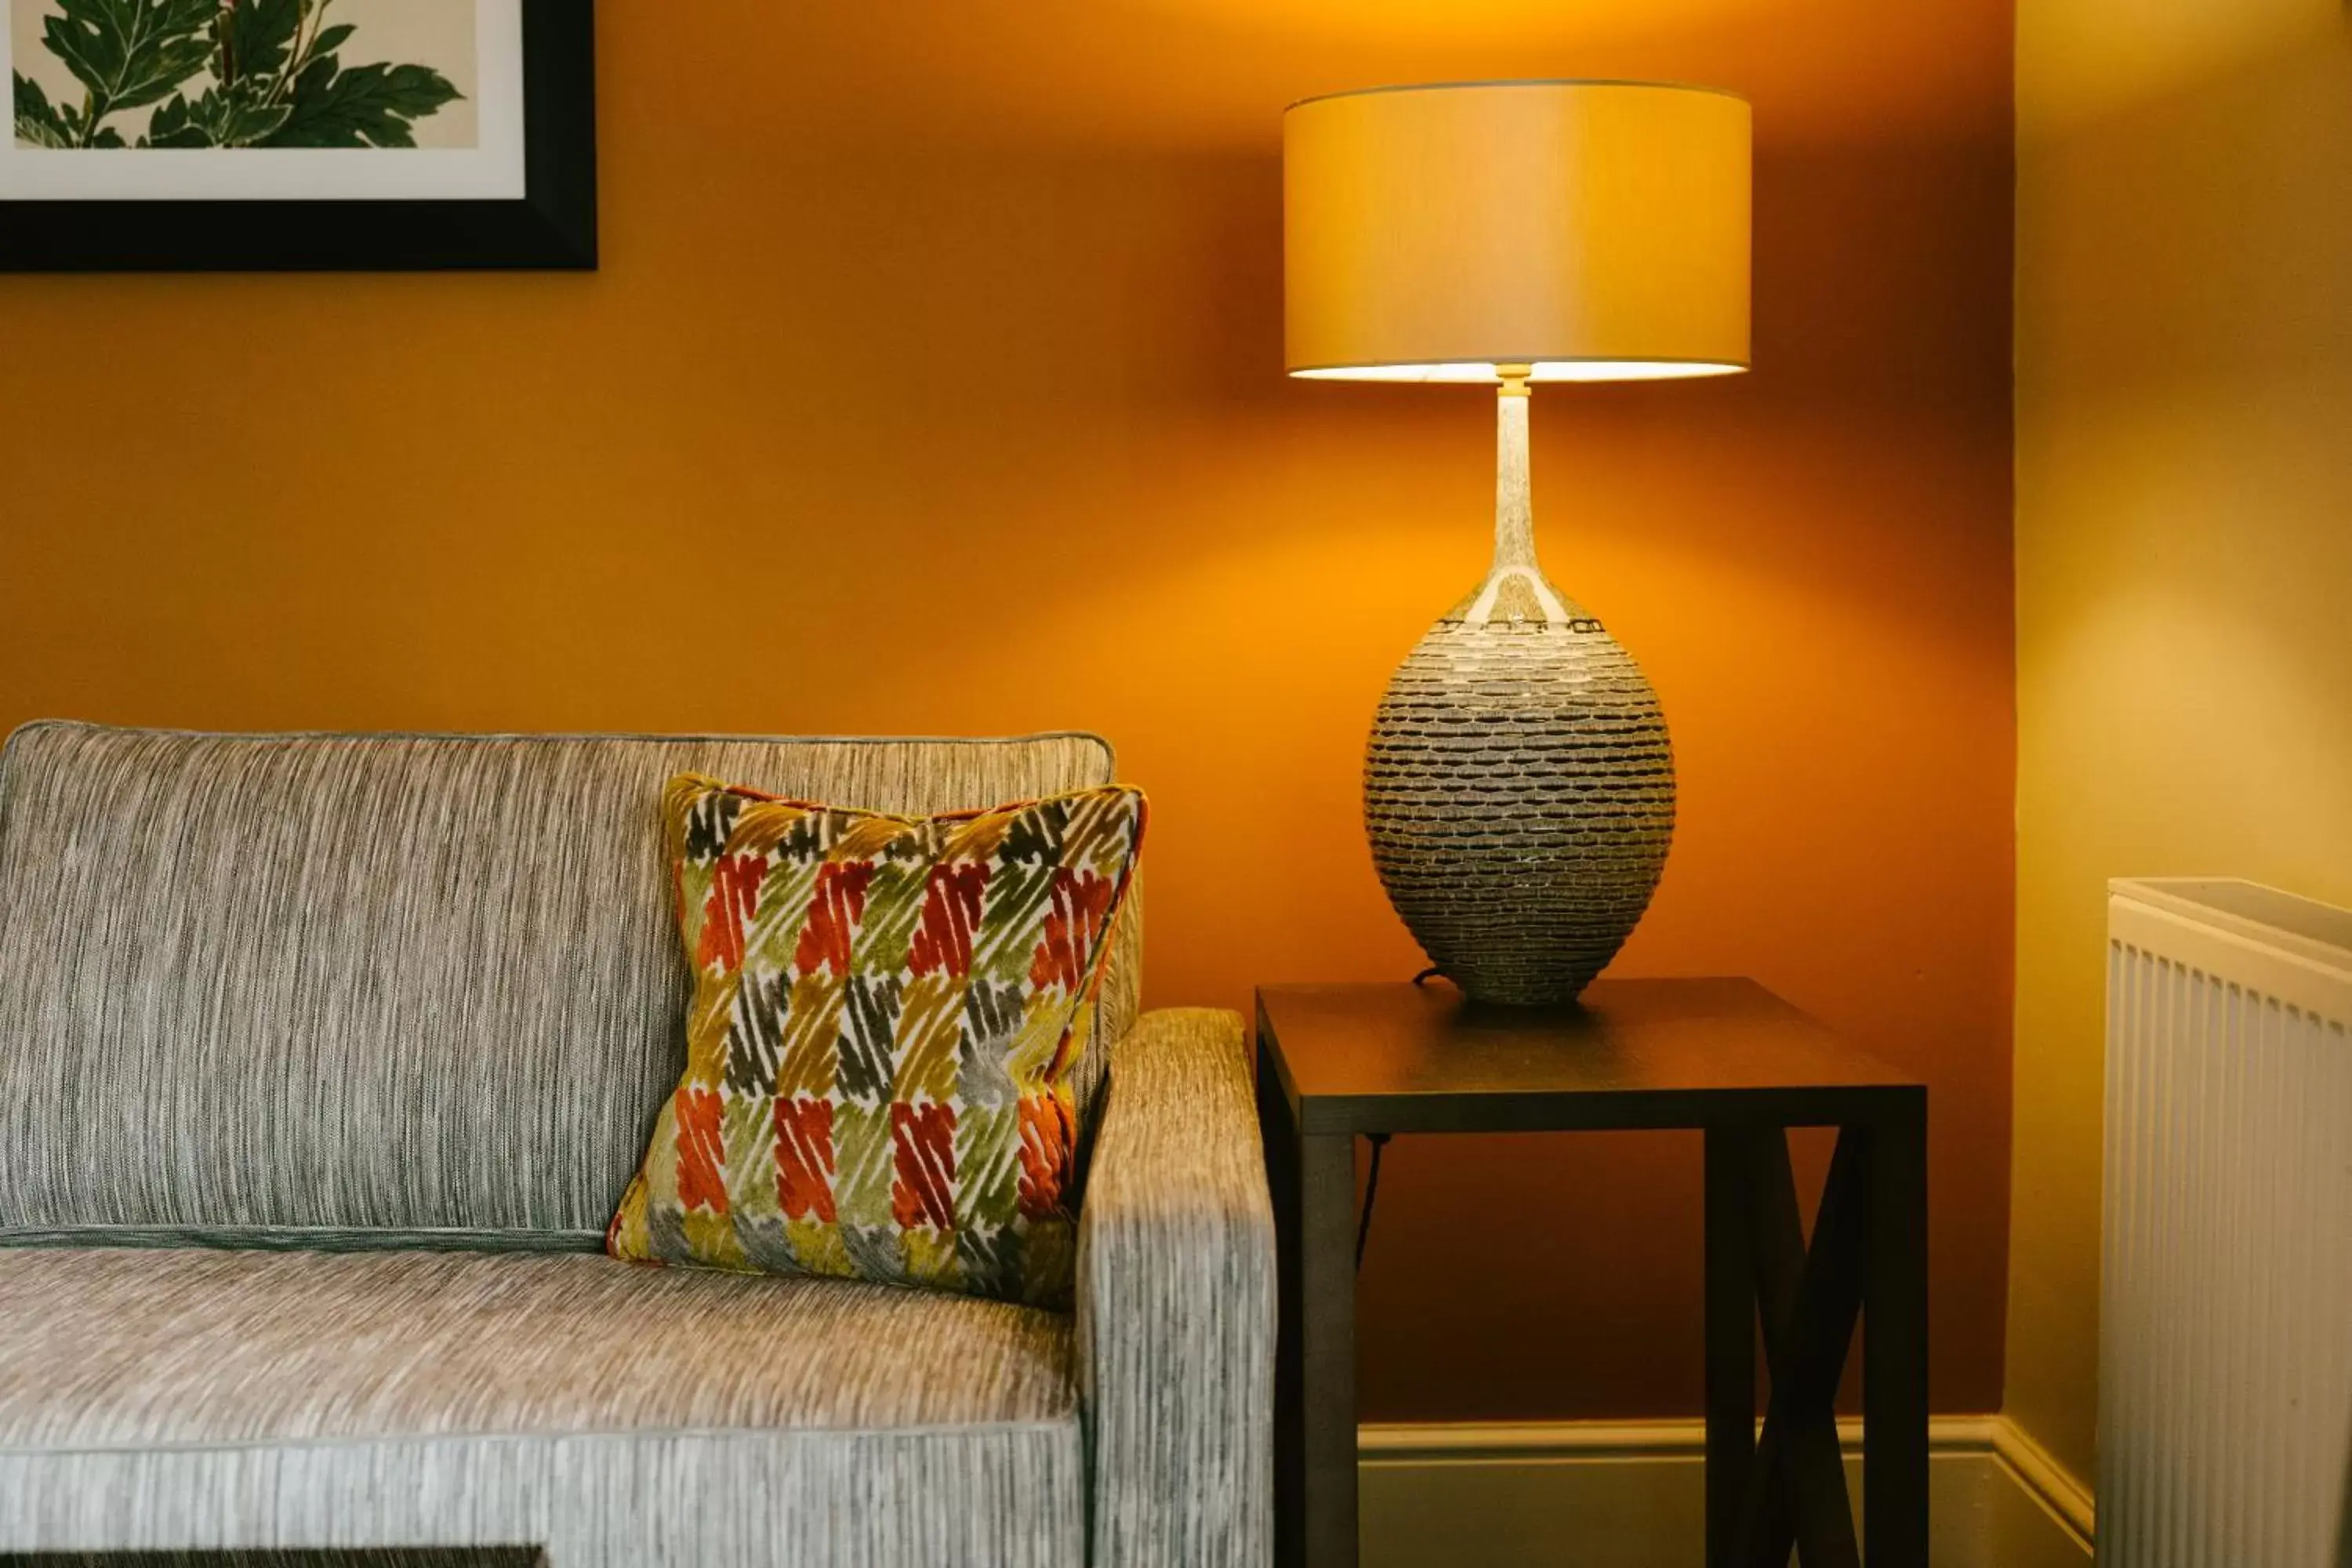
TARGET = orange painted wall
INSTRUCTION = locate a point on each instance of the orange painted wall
(932, 383)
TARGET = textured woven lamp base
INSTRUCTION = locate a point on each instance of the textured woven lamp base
(1519, 785)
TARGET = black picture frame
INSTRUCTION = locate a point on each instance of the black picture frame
(554, 226)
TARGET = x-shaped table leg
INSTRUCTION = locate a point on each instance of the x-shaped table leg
(1792, 1495)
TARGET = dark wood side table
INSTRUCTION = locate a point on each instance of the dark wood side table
(1726, 1057)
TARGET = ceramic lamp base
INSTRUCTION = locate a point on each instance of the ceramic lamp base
(1519, 796)
(1519, 785)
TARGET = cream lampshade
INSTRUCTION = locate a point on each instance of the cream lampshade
(1519, 788)
(1595, 231)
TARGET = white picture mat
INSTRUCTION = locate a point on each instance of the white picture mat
(491, 171)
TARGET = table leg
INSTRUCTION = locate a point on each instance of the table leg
(1730, 1340)
(1810, 1297)
(1895, 1345)
(1326, 1295)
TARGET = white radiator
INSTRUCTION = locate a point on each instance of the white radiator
(2225, 1361)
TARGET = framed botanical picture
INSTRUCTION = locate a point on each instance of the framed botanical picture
(265, 135)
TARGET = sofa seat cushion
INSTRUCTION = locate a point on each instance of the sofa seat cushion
(613, 1414)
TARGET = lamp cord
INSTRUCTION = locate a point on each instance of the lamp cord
(1371, 1191)
(1379, 1140)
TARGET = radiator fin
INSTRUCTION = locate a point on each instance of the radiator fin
(2226, 1344)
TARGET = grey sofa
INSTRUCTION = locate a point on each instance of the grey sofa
(324, 1063)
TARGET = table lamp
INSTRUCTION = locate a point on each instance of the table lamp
(1519, 786)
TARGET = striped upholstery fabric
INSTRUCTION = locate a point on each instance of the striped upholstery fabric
(242, 1001)
(423, 985)
(1176, 1303)
(328, 1557)
(618, 1414)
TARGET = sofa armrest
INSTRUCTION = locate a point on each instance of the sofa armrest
(1176, 1303)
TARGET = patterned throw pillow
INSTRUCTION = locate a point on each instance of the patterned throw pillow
(885, 1012)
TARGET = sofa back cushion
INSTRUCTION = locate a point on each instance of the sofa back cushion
(381, 989)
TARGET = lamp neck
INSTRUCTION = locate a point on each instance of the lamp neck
(1515, 589)
(1515, 519)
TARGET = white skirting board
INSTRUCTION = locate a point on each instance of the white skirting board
(1632, 1495)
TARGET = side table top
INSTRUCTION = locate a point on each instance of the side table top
(1632, 1054)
